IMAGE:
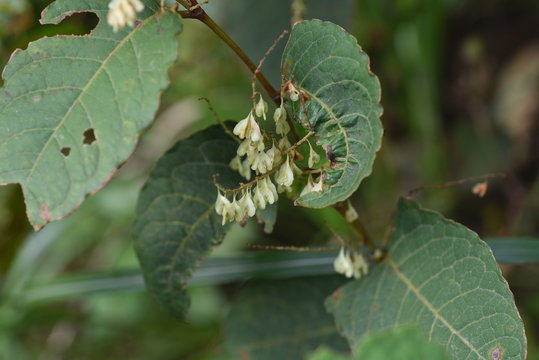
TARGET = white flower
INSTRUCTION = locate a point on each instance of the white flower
(244, 147)
(281, 126)
(268, 190)
(256, 134)
(319, 186)
(361, 267)
(221, 204)
(351, 265)
(243, 127)
(313, 156)
(351, 213)
(308, 188)
(261, 163)
(274, 154)
(237, 210)
(280, 114)
(343, 264)
(284, 175)
(261, 108)
(283, 144)
(241, 166)
(258, 197)
(247, 205)
(123, 12)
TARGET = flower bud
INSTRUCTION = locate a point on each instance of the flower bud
(284, 175)
(313, 156)
(261, 108)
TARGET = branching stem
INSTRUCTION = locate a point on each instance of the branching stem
(194, 11)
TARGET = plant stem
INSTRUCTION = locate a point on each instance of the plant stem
(201, 15)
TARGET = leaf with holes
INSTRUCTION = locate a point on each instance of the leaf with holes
(440, 276)
(72, 106)
(282, 319)
(340, 102)
(176, 222)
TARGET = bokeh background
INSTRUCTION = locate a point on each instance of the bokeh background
(460, 82)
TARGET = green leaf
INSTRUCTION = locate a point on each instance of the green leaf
(72, 106)
(440, 276)
(342, 106)
(400, 343)
(282, 319)
(176, 222)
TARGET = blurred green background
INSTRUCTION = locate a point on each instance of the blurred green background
(460, 82)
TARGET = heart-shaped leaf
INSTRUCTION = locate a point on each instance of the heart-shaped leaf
(341, 103)
(176, 222)
(441, 277)
(72, 106)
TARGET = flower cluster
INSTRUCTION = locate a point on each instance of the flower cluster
(266, 154)
(123, 12)
(351, 264)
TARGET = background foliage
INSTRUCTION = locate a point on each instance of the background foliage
(460, 88)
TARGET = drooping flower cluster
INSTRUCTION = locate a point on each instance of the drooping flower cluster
(265, 154)
(351, 264)
(123, 13)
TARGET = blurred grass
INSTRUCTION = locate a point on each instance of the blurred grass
(445, 67)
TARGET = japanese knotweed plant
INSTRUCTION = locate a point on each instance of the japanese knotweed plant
(72, 108)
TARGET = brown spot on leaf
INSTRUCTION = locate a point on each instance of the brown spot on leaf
(496, 354)
(89, 137)
(65, 151)
(44, 213)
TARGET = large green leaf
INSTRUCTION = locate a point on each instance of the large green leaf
(176, 222)
(343, 106)
(282, 319)
(72, 106)
(400, 343)
(440, 276)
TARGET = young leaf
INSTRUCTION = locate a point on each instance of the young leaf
(72, 106)
(440, 276)
(282, 319)
(400, 343)
(341, 104)
(176, 222)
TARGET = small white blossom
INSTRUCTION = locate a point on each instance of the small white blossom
(281, 125)
(238, 211)
(258, 198)
(351, 265)
(284, 175)
(283, 144)
(241, 166)
(261, 108)
(280, 114)
(123, 12)
(343, 264)
(350, 213)
(313, 156)
(318, 186)
(261, 163)
(274, 154)
(243, 127)
(247, 205)
(361, 267)
(308, 188)
(221, 204)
